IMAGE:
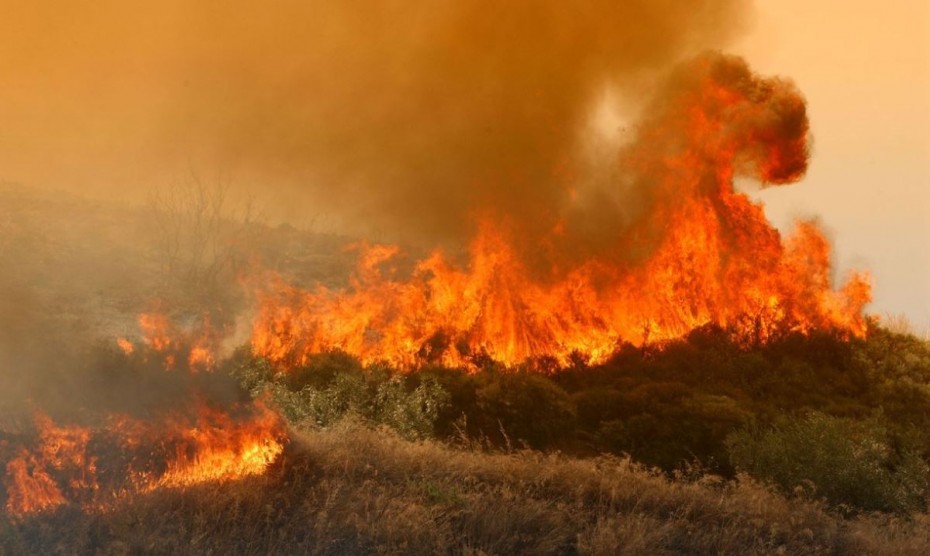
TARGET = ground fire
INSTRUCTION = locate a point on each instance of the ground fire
(694, 252)
(177, 443)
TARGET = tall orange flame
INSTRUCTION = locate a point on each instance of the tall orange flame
(701, 253)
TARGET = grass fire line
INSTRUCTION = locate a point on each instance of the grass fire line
(94, 466)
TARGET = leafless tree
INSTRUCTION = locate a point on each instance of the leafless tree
(199, 242)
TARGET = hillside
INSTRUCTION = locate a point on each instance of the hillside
(350, 490)
(806, 443)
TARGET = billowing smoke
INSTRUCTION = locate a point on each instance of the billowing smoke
(710, 121)
(395, 117)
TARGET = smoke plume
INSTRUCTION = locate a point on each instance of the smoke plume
(398, 118)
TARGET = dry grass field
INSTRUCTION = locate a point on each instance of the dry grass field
(353, 490)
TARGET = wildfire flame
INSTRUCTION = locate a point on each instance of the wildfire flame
(125, 345)
(702, 253)
(216, 447)
(92, 466)
(61, 451)
(157, 330)
(163, 337)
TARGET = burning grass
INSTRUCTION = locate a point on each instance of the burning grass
(351, 489)
(163, 419)
(91, 467)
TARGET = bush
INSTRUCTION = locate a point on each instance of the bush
(668, 404)
(413, 414)
(525, 407)
(333, 386)
(675, 432)
(326, 405)
(851, 463)
(322, 369)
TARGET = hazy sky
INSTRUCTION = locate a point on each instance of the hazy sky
(113, 97)
(864, 67)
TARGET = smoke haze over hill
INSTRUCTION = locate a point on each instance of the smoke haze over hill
(389, 116)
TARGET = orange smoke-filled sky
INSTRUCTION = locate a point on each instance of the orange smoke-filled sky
(865, 70)
(115, 98)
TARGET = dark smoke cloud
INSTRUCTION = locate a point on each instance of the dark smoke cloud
(402, 118)
(408, 119)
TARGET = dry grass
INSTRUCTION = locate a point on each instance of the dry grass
(350, 490)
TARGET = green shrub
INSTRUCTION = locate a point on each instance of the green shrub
(525, 407)
(347, 393)
(672, 402)
(332, 388)
(322, 369)
(852, 463)
(413, 414)
(253, 373)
